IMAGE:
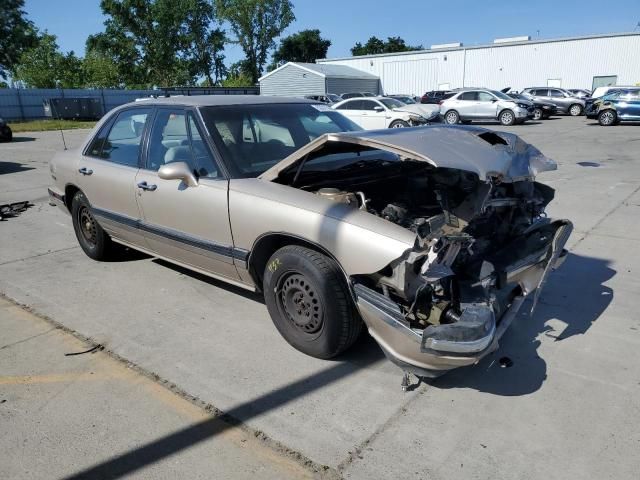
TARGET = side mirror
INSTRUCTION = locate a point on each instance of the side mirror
(378, 108)
(178, 171)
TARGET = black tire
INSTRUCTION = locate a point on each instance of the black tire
(507, 117)
(93, 240)
(398, 124)
(538, 114)
(607, 118)
(309, 302)
(575, 110)
(451, 117)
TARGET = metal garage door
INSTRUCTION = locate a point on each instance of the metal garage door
(413, 77)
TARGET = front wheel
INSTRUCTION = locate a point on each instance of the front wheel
(451, 117)
(575, 110)
(398, 124)
(93, 240)
(507, 117)
(309, 302)
(607, 118)
(537, 114)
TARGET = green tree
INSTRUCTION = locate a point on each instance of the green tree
(256, 24)
(305, 46)
(375, 46)
(17, 34)
(44, 66)
(100, 71)
(161, 42)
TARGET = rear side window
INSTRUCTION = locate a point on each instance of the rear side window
(541, 92)
(468, 96)
(353, 105)
(122, 143)
(368, 105)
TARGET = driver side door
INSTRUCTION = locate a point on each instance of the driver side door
(186, 224)
(374, 115)
(486, 106)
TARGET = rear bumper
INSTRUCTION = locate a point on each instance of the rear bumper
(437, 349)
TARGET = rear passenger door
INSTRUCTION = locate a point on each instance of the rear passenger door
(187, 224)
(466, 104)
(107, 173)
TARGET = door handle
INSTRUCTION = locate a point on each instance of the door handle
(146, 186)
(85, 171)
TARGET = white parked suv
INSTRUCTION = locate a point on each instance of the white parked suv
(471, 104)
(374, 113)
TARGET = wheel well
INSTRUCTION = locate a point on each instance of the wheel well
(69, 192)
(504, 110)
(267, 245)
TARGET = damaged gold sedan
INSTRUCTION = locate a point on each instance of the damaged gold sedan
(432, 237)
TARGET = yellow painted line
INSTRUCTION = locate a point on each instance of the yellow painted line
(61, 378)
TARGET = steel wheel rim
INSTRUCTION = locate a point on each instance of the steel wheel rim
(537, 114)
(88, 226)
(575, 110)
(507, 117)
(451, 118)
(607, 118)
(300, 303)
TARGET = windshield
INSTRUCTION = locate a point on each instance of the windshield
(501, 95)
(253, 138)
(391, 103)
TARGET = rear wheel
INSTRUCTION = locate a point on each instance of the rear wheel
(451, 117)
(507, 117)
(93, 240)
(398, 124)
(575, 110)
(607, 118)
(309, 302)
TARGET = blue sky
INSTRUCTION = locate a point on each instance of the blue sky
(345, 22)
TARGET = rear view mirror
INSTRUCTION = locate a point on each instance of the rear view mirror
(178, 171)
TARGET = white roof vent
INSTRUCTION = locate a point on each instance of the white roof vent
(446, 45)
(524, 38)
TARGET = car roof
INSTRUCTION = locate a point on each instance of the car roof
(220, 100)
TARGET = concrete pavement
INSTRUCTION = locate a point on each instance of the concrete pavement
(564, 409)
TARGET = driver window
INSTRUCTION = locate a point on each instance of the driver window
(368, 105)
(169, 141)
(485, 97)
(556, 93)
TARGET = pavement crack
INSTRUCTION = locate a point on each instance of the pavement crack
(358, 450)
(9, 345)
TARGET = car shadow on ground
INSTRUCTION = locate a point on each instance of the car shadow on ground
(595, 123)
(365, 355)
(575, 295)
(21, 139)
(13, 167)
(498, 124)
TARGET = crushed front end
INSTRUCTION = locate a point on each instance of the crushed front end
(446, 302)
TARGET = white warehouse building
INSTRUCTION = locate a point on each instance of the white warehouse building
(518, 62)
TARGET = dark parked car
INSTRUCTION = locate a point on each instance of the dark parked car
(436, 96)
(5, 131)
(565, 101)
(616, 106)
(541, 108)
(345, 96)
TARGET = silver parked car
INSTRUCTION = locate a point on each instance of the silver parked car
(434, 236)
(564, 100)
(471, 104)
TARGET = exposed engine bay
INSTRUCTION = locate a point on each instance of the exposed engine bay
(467, 232)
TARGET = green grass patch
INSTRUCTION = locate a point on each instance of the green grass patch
(45, 125)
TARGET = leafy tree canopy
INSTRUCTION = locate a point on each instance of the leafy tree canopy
(305, 46)
(256, 24)
(374, 46)
(17, 34)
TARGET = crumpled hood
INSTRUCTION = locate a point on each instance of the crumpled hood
(422, 110)
(478, 150)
